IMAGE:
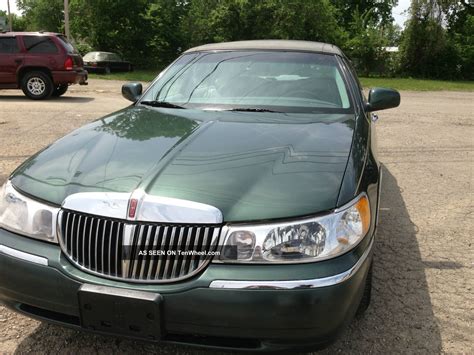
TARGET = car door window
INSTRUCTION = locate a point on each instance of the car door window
(39, 44)
(113, 58)
(8, 45)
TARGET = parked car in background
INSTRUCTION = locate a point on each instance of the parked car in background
(106, 62)
(41, 64)
(233, 205)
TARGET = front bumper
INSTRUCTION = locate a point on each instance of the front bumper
(246, 307)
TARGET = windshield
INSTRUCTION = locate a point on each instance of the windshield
(277, 81)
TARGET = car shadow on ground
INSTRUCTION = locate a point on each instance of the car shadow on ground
(62, 99)
(400, 318)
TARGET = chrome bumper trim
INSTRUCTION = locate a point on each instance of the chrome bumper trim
(294, 284)
(23, 256)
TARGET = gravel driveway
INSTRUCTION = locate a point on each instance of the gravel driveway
(423, 299)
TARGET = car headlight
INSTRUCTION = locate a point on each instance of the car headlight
(305, 240)
(23, 215)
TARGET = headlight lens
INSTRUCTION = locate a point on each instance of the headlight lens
(23, 215)
(306, 240)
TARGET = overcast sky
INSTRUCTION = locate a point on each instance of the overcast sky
(398, 12)
(13, 8)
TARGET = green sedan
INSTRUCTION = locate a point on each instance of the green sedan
(234, 205)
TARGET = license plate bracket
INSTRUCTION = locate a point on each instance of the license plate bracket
(120, 311)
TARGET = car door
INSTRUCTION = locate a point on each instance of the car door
(10, 59)
(115, 62)
(42, 51)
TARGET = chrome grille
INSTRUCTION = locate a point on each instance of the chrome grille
(114, 248)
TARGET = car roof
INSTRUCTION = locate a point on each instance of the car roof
(10, 34)
(280, 45)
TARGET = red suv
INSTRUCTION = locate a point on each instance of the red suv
(41, 64)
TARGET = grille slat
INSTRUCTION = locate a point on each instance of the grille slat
(186, 249)
(67, 228)
(135, 260)
(170, 246)
(145, 259)
(111, 248)
(176, 257)
(154, 247)
(161, 258)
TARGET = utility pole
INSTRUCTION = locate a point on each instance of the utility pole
(66, 20)
(10, 24)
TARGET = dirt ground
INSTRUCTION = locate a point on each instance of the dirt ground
(423, 299)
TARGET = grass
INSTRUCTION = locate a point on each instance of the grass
(136, 75)
(395, 83)
(418, 84)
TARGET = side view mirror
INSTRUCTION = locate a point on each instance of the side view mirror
(132, 91)
(382, 99)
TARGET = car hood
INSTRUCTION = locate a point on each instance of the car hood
(251, 166)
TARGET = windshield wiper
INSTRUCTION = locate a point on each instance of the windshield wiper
(156, 103)
(253, 109)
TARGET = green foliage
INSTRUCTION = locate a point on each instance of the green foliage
(167, 38)
(112, 25)
(366, 43)
(461, 36)
(230, 20)
(136, 75)
(380, 10)
(438, 41)
(18, 22)
(83, 47)
(418, 84)
(429, 50)
(42, 15)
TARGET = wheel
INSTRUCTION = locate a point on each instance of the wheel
(366, 297)
(107, 70)
(37, 85)
(60, 90)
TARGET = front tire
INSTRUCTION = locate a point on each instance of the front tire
(37, 85)
(367, 296)
(60, 90)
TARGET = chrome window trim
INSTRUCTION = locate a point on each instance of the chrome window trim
(23, 256)
(295, 284)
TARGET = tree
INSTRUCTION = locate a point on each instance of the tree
(229, 20)
(431, 50)
(18, 22)
(113, 25)
(380, 11)
(42, 15)
(461, 35)
(366, 44)
(167, 38)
